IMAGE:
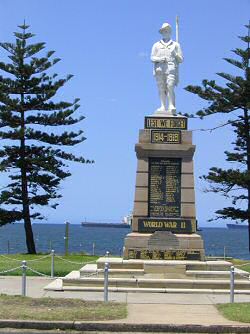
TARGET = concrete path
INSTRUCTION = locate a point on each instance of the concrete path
(176, 314)
(150, 308)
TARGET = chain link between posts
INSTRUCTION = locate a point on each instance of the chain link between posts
(18, 260)
(38, 273)
(242, 265)
(10, 270)
(46, 256)
(73, 262)
(53, 256)
(244, 274)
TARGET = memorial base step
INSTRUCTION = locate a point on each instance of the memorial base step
(156, 276)
(161, 266)
(141, 283)
(152, 290)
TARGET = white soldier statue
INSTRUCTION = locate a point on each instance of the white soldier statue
(166, 56)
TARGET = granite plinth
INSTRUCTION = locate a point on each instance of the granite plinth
(163, 246)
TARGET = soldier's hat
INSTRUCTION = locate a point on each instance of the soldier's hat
(165, 26)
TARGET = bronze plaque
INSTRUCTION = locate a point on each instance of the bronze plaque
(165, 137)
(164, 187)
(145, 254)
(179, 123)
(150, 225)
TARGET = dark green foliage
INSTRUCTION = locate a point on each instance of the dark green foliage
(233, 100)
(29, 150)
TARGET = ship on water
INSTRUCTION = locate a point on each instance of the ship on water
(126, 223)
(237, 226)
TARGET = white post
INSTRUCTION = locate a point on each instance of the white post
(66, 238)
(232, 284)
(107, 254)
(24, 267)
(52, 263)
(93, 249)
(106, 281)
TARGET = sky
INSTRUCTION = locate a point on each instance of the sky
(107, 45)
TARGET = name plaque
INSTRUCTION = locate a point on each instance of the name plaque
(179, 123)
(165, 137)
(164, 254)
(164, 187)
(177, 226)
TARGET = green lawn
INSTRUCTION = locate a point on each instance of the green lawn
(43, 264)
(241, 264)
(55, 309)
(236, 311)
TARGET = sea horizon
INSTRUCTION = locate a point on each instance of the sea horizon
(218, 241)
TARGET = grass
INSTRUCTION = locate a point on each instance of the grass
(236, 311)
(241, 264)
(55, 309)
(43, 264)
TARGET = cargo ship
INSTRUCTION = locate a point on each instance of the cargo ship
(126, 223)
(237, 226)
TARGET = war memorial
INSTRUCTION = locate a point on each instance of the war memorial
(163, 252)
(164, 219)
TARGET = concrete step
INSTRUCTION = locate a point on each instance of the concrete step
(119, 263)
(157, 283)
(219, 265)
(57, 285)
(163, 265)
(91, 269)
(220, 274)
(127, 273)
(153, 290)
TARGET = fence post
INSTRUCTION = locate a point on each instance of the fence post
(24, 268)
(50, 245)
(66, 238)
(106, 281)
(232, 284)
(93, 248)
(52, 263)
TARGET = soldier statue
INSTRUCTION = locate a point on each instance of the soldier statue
(166, 56)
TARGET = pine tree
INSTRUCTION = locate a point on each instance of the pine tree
(31, 150)
(233, 100)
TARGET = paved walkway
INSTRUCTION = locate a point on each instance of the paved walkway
(150, 308)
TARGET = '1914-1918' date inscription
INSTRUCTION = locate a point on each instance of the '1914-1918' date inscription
(166, 136)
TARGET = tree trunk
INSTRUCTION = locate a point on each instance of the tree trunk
(31, 248)
(247, 127)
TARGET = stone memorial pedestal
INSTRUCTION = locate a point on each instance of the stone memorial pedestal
(164, 217)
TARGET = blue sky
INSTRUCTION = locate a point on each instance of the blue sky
(106, 45)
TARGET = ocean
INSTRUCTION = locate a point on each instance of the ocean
(98, 240)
